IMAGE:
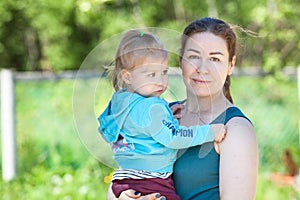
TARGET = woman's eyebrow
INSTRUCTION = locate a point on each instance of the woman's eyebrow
(211, 53)
(194, 50)
(216, 53)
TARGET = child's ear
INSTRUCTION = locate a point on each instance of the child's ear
(126, 76)
(231, 65)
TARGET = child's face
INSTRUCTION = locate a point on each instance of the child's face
(150, 79)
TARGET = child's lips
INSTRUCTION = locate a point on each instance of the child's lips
(160, 90)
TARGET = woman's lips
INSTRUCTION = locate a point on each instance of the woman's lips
(201, 82)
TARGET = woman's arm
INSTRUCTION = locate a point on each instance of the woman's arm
(238, 161)
(131, 195)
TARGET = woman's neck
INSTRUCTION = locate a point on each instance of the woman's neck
(210, 106)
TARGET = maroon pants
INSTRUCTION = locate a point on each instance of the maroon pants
(146, 186)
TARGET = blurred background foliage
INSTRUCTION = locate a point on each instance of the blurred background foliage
(54, 35)
(57, 35)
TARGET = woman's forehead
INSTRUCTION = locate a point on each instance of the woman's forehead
(206, 41)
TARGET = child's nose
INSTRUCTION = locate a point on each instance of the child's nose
(160, 80)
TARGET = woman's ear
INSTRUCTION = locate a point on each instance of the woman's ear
(126, 76)
(231, 65)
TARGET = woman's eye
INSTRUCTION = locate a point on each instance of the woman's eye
(215, 59)
(193, 57)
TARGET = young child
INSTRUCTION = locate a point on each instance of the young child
(139, 125)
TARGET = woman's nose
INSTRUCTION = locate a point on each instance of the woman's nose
(202, 67)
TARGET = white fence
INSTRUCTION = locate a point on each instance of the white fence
(9, 159)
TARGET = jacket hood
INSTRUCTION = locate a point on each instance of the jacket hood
(112, 119)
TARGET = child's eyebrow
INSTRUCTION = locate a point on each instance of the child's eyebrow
(146, 70)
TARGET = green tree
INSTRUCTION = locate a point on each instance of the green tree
(58, 35)
(13, 24)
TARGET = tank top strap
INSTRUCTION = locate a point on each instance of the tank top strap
(228, 114)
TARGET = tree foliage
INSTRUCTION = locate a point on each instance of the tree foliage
(57, 35)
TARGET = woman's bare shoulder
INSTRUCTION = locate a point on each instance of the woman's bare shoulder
(240, 133)
(238, 124)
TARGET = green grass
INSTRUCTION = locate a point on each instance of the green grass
(59, 159)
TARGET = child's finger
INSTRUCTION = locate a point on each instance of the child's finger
(177, 116)
(177, 108)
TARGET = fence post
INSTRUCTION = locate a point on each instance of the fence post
(9, 161)
(298, 82)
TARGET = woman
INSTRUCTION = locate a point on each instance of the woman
(226, 170)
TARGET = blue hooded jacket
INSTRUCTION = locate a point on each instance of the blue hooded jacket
(143, 133)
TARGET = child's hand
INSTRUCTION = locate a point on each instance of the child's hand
(176, 110)
(219, 131)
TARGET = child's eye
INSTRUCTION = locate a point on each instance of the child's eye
(165, 72)
(151, 75)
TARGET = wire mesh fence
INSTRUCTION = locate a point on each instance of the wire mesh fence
(46, 107)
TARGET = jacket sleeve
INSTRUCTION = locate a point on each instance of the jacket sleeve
(159, 123)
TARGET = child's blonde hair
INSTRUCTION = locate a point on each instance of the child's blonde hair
(133, 49)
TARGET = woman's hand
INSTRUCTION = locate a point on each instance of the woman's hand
(131, 195)
(176, 110)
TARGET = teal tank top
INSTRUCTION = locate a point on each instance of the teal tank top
(196, 171)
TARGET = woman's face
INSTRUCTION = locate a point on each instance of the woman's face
(205, 64)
